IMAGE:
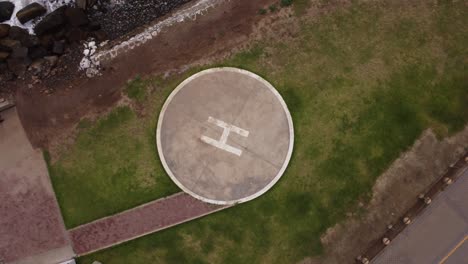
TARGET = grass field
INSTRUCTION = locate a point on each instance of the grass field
(362, 83)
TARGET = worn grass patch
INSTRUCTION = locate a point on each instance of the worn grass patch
(301, 6)
(362, 83)
(113, 166)
(137, 89)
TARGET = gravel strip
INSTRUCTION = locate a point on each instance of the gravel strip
(118, 19)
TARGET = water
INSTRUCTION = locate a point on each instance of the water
(50, 5)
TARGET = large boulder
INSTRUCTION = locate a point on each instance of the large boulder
(19, 53)
(46, 41)
(99, 35)
(3, 70)
(51, 22)
(4, 48)
(6, 10)
(10, 43)
(23, 36)
(85, 4)
(5, 73)
(76, 17)
(4, 30)
(30, 12)
(4, 55)
(58, 47)
(94, 25)
(37, 52)
(75, 35)
(82, 4)
(18, 66)
(17, 33)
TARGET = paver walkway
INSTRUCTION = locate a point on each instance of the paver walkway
(438, 235)
(31, 226)
(139, 221)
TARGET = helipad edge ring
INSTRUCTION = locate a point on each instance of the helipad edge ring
(168, 168)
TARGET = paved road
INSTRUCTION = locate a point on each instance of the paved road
(439, 235)
(31, 226)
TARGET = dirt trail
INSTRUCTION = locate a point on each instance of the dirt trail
(48, 117)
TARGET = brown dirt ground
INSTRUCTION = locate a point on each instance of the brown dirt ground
(48, 119)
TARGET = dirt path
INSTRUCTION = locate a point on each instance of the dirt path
(48, 117)
(139, 221)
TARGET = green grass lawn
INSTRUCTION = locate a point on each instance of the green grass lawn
(113, 164)
(362, 83)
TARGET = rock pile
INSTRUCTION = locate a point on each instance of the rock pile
(87, 63)
(30, 12)
(6, 11)
(55, 34)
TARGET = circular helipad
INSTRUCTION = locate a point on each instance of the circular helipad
(225, 136)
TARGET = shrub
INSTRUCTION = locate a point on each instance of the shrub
(286, 2)
(273, 8)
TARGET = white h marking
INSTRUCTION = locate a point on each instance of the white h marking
(221, 143)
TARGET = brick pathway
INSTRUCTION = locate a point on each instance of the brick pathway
(137, 222)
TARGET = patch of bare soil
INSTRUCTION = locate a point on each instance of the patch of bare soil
(393, 194)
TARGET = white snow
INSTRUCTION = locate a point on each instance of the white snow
(50, 5)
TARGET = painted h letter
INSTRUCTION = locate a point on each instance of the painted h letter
(221, 143)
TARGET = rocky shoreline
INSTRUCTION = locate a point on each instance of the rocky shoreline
(121, 18)
(58, 37)
(37, 56)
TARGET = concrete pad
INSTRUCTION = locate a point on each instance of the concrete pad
(225, 136)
